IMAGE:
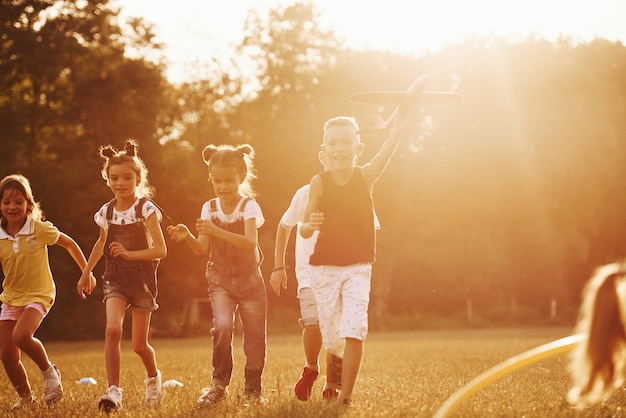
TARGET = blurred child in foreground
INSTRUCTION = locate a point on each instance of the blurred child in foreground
(598, 362)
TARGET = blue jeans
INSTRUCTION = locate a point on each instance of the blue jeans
(244, 293)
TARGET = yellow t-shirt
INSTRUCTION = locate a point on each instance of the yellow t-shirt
(24, 259)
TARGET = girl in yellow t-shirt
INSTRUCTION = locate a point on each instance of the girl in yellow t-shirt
(28, 287)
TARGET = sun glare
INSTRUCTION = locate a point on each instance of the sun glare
(431, 25)
(197, 30)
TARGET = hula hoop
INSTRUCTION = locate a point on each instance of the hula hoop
(519, 361)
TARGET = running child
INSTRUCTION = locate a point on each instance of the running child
(28, 287)
(340, 207)
(227, 231)
(311, 336)
(132, 243)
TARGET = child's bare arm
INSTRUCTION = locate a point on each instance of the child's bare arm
(278, 279)
(313, 218)
(373, 170)
(73, 249)
(198, 245)
(87, 281)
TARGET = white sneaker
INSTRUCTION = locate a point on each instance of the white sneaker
(24, 402)
(112, 401)
(52, 384)
(153, 390)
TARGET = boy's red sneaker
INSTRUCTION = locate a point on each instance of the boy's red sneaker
(330, 394)
(303, 386)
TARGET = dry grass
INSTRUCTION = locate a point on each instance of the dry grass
(405, 374)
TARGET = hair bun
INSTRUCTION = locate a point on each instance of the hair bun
(208, 152)
(131, 148)
(245, 149)
(107, 152)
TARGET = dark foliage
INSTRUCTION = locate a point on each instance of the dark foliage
(506, 201)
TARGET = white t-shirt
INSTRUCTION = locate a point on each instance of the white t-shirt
(252, 210)
(128, 216)
(293, 216)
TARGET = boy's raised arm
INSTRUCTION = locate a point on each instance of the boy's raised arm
(373, 170)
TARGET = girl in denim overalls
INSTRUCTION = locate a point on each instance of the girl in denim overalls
(227, 231)
(132, 242)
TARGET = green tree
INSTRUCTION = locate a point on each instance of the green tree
(68, 86)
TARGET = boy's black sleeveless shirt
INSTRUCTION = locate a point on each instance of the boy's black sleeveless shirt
(347, 235)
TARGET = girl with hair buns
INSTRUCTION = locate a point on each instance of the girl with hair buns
(227, 232)
(132, 243)
(28, 287)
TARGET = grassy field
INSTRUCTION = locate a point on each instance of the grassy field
(404, 374)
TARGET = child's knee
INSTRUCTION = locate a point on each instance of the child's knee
(113, 332)
(141, 348)
(221, 326)
(21, 338)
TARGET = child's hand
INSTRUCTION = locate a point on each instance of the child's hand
(205, 226)
(178, 232)
(85, 285)
(278, 279)
(316, 220)
(118, 250)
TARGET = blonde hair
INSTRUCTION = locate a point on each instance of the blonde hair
(597, 363)
(240, 157)
(20, 184)
(341, 121)
(128, 156)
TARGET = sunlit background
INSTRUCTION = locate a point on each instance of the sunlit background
(193, 30)
(494, 212)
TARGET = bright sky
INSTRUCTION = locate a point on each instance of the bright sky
(195, 30)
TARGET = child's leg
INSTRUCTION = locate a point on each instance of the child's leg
(141, 327)
(312, 342)
(115, 312)
(326, 287)
(223, 307)
(24, 339)
(311, 335)
(351, 364)
(354, 323)
(253, 313)
(10, 355)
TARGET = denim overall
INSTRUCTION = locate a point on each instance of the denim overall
(236, 284)
(133, 280)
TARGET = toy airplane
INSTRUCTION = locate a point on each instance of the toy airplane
(414, 95)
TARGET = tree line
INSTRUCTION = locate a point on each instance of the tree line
(507, 201)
